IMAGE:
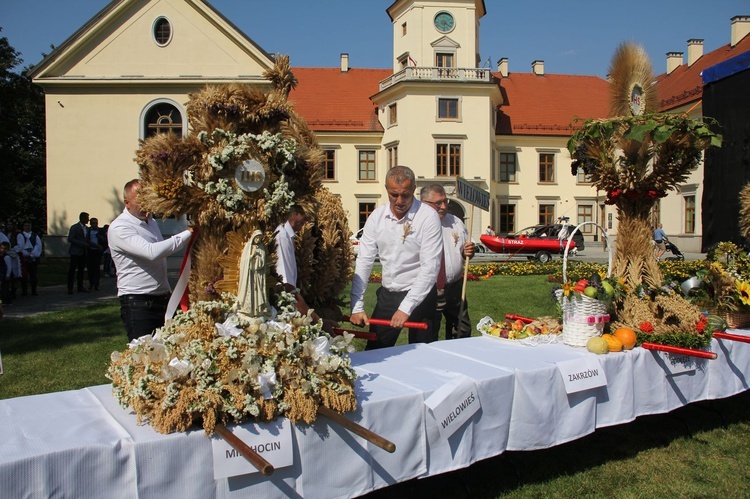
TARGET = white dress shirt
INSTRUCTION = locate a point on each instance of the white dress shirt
(140, 253)
(455, 235)
(409, 250)
(286, 264)
(29, 248)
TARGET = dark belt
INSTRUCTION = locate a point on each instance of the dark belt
(658, 241)
(155, 298)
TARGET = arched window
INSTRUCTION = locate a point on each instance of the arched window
(162, 117)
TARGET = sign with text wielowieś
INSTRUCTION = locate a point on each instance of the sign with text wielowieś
(465, 191)
(271, 440)
(453, 404)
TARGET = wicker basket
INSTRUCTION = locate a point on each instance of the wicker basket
(737, 320)
(583, 317)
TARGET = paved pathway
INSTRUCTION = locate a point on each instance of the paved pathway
(55, 298)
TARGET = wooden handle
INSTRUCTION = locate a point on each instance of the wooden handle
(680, 351)
(353, 427)
(386, 322)
(365, 335)
(733, 337)
(255, 459)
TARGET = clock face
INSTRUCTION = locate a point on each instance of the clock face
(444, 22)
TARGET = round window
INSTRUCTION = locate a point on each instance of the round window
(162, 31)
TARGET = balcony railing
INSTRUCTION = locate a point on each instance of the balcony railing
(462, 75)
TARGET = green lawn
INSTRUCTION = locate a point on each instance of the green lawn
(701, 450)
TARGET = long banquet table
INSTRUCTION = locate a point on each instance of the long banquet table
(82, 444)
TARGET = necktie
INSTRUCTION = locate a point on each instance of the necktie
(441, 272)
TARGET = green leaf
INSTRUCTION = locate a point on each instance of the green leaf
(662, 133)
(716, 141)
(637, 132)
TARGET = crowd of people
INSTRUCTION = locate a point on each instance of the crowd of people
(21, 250)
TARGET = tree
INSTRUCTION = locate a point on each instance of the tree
(22, 143)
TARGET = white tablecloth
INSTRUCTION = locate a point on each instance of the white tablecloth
(82, 444)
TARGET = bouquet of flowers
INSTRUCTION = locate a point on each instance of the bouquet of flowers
(725, 283)
(211, 365)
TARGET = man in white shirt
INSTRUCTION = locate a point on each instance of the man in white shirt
(286, 262)
(456, 247)
(31, 251)
(140, 256)
(407, 237)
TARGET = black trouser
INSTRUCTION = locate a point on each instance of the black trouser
(457, 325)
(93, 262)
(77, 262)
(141, 314)
(30, 267)
(387, 305)
(5, 295)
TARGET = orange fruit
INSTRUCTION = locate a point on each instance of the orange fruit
(627, 336)
(613, 343)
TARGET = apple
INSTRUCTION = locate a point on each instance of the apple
(590, 291)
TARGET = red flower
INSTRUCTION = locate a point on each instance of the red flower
(646, 327)
(700, 326)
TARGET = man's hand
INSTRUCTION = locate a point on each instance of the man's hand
(359, 319)
(469, 249)
(399, 318)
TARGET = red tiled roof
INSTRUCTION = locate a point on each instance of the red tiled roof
(685, 85)
(330, 100)
(548, 104)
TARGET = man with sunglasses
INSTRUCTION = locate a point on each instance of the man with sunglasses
(456, 247)
(407, 237)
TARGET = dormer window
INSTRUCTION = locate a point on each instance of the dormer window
(162, 31)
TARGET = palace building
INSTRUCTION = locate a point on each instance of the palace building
(127, 73)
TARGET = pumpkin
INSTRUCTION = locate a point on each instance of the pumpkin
(597, 345)
(613, 343)
(626, 336)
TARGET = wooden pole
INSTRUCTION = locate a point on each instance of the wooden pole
(466, 267)
(353, 427)
(253, 457)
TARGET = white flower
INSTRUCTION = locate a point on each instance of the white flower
(181, 367)
(267, 381)
(229, 327)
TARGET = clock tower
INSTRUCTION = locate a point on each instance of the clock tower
(438, 109)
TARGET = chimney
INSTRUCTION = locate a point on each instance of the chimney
(538, 67)
(740, 28)
(695, 50)
(502, 67)
(344, 63)
(674, 61)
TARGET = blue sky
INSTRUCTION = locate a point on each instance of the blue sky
(570, 36)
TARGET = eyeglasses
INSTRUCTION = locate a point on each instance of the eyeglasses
(445, 202)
